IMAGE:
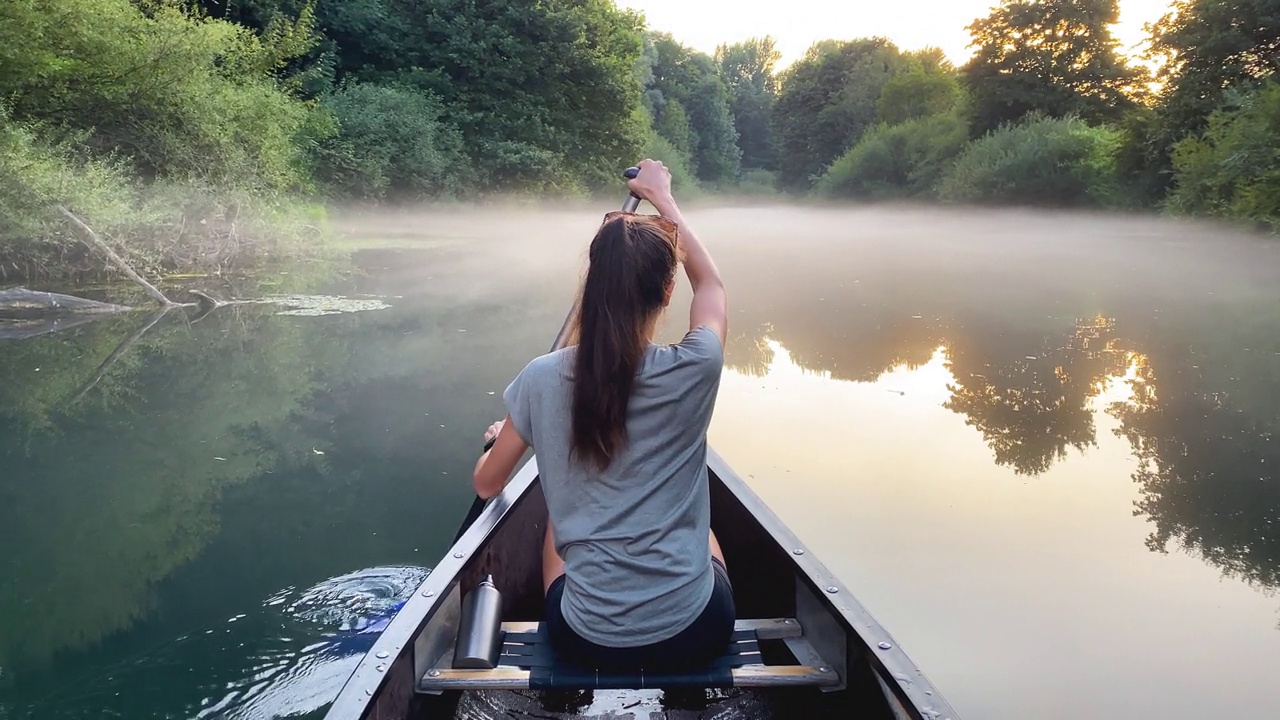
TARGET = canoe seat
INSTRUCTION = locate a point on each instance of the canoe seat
(529, 661)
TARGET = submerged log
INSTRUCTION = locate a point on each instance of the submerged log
(20, 303)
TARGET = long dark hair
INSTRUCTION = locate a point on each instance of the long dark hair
(632, 262)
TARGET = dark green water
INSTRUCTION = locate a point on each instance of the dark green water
(1041, 446)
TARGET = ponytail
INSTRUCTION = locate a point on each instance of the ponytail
(632, 262)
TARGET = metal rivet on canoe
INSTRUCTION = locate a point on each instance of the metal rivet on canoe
(833, 589)
(798, 551)
(885, 646)
(382, 654)
(458, 555)
(433, 673)
(381, 668)
(428, 593)
(824, 669)
(367, 691)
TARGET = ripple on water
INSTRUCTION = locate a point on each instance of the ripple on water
(304, 644)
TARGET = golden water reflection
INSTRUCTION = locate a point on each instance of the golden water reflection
(998, 516)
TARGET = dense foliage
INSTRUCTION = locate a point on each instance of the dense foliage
(898, 161)
(214, 120)
(1210, 47)
(171, 95)
(1043, 161)
(828, 99)
(1233, 169)
(171, 133)
(918, 93)
(748, 69)
(689, 101)
(391, 139)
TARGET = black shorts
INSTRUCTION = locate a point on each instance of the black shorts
(691, 648)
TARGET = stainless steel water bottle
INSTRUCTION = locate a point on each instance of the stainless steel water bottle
(480, 629)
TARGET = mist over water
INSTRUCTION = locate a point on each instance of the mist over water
(1040, 447)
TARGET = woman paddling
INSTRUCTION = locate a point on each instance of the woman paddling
(634, 578)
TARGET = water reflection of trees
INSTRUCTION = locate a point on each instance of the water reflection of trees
(1208, 468)
(1032, 408)
(209, 436)
(103, 496)
(1208, 458)
(1027, 393)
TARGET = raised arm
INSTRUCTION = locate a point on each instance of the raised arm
(710, 305)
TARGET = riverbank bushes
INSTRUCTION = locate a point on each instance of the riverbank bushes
(36, 175)
(906, 160)
(1233, 169)
(390, 139)
(169, 132)
(1040, 161)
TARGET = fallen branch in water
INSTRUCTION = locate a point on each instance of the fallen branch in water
(28, 305)
(92, 238)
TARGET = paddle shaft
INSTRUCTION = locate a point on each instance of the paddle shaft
(629, 205)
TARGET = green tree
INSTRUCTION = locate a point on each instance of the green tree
(1207, 48)
(683, 81)
(34, 176)
(1056, 57)
(827, 101)
(674, 126)
(748, 68)
(1233, 168)
(677, 161)
(542, 93)
(393, 141)
(917, 94)
(153, 124)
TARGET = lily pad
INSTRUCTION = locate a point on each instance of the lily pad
(315, 305)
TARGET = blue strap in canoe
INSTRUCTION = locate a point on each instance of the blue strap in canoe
(533, 651)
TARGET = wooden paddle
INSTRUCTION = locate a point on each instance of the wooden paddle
(629, 205)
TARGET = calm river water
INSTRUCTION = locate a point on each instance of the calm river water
(1040, 447)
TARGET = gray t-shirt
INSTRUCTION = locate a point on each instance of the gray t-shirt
(633, 537)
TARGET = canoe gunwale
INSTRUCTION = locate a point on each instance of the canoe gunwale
(891, 664)
(359, 695)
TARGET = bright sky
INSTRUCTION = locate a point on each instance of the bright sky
(797, 24)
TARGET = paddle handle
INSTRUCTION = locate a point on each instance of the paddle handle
(632, 203)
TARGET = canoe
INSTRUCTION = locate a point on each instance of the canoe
(803, 645)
